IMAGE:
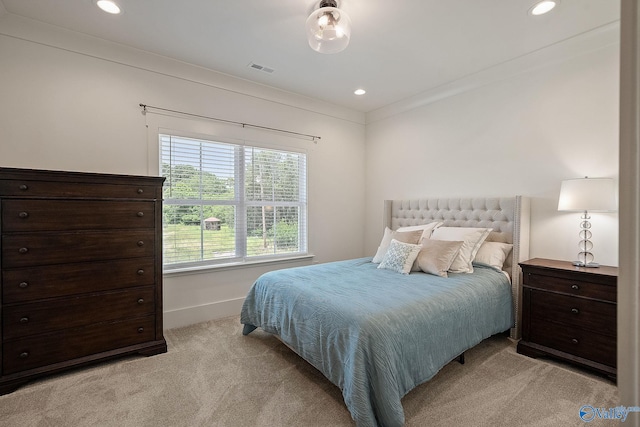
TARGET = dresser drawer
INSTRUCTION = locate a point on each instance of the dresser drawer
(579, 342)
(31, 188)
(47, 349)
(32, 283)
(22, 320)
(51, 215)
(572, 287)
(24, 249)
(578, 312)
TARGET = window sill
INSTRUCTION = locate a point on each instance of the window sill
(234, 265)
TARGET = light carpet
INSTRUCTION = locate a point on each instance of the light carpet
(212, 375)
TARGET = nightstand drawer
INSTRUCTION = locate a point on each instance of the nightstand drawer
(572, 287)
(589, 345)
(579, 313)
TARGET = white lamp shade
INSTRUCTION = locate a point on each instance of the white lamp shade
(328, 30)
(587, 194)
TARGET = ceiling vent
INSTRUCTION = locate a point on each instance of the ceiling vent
(262, 68)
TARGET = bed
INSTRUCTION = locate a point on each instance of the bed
(377, 333)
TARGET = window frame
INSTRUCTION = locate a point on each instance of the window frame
(241, 204)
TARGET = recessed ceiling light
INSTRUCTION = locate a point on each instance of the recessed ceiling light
(359, 91)
(108, 6)
(543, 7)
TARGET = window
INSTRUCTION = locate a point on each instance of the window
(226, 203)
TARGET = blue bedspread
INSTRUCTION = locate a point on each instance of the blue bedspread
(375, 333)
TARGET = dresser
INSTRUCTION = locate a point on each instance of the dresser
(81, 270)
(569, 313)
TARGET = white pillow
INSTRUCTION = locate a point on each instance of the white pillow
(472, 238)
(436, 256)
(427, 229)
(493, 254)
(412, 237)
(400, 256)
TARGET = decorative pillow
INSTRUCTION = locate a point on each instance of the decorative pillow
(493, 254)
(472, 238)
(400, 256)
(427, 229)
(412, 237)
(436, 256)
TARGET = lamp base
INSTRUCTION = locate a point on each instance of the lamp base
(588, 264)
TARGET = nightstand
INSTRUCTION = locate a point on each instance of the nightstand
(569, 313)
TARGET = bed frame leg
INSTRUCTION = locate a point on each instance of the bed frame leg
(248, 329)
(461, 359)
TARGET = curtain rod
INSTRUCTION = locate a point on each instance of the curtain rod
(314, 138)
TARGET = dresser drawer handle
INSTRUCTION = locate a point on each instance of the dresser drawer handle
(140, 243)
(24, 187)
(23, 215)
(140, 214)
(574, 341)
(140, 191)
(140, 330)
(23, 285)
(575, 287)
(23, 250)
(141, 301)
(24, 355)
(141, 272)
(24, 320)
(575, 311)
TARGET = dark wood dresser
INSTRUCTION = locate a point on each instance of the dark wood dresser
(81, 265)
(569, 313)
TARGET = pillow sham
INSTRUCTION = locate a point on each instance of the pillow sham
(436, 256)
(427, 229)
(493, 254)
(412, 236)
(400, 257)
(472, 238)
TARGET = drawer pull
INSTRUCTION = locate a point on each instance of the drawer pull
(140, 330)
(575, 287)
(24, 320)
(141, 301)
(140, 214)
(24, 355)
(575, 341)
(140, 191)
(23, 250)
(23, 215)
(24, 187)
(140, 243)
(575, 311)
(23, 285)
(141, 272)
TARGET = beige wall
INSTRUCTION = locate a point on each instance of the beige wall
(70, 102)
(520, 128)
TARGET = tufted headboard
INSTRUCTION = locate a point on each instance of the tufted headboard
(508, 216)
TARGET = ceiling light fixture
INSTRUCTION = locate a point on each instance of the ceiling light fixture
(542, 7)
(328, 28)
(359, 91)
(109, 6)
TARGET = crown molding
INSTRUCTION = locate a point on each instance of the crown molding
(581, 44)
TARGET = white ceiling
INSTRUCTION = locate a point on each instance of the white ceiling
(397, 49)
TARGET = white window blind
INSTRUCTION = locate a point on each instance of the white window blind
(231, 203)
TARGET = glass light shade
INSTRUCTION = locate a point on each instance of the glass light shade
(328, 30)
(108, 6)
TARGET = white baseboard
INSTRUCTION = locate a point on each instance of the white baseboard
(201, 313)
